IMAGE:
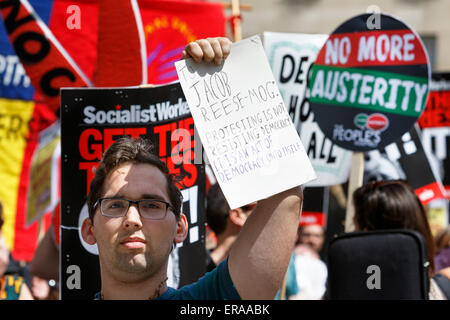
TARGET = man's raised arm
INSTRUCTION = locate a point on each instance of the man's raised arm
(260, 256)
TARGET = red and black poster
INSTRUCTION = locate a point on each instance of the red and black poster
(435, 124)
(315, 206)
(437, 111)
(91, 120)
(406, 159)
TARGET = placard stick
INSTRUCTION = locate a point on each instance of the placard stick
(283, 287)
(236, 12)
(355, 181)
(338, 192)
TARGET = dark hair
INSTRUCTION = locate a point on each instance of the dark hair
(130, 150)
(392, 205)
(217, 209)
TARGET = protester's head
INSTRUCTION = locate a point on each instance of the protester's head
(312, 235)
(391, 205)
(134, 239)
(136, 151)
(219, 216)
(217, 209)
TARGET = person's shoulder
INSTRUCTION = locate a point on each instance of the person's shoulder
(214, 285)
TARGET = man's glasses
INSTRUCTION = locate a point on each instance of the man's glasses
(149, 209)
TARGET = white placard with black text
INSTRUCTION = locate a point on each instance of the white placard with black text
(249, 138)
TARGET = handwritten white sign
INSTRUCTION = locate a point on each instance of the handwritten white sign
(248, 136)
(291, 56)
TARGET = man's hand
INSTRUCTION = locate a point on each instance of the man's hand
(208, 50)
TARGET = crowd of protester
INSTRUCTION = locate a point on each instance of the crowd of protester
(250, 259)
(379, 205)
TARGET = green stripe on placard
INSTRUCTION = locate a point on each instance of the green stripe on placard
(368, 89)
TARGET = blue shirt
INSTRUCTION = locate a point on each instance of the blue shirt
(291, 280)
(214, 285)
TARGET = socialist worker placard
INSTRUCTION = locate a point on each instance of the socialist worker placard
(91, 120)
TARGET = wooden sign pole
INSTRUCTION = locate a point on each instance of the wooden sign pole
(236, 12)
(41, 230)
(355, 181)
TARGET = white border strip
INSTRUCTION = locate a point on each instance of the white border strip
(140, 29)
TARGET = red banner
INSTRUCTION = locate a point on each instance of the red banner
(310, 218)
(71, 40)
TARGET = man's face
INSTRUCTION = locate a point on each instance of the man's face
(132, 248)
(313, 236)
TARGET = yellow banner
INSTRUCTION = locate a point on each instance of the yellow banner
(42, 190)
(14, 118)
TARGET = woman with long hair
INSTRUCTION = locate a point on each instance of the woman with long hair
(394, 205)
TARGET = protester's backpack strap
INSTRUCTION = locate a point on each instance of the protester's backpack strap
(443, 283)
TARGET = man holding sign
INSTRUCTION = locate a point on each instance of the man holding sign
(135, 219)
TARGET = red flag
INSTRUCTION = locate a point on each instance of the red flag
(170, 25)
(46, 62)
(121, 47)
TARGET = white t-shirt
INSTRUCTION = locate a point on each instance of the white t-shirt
(311, 275)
